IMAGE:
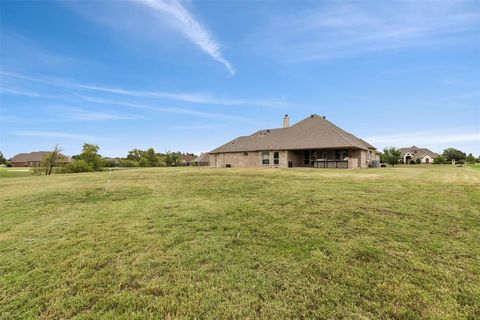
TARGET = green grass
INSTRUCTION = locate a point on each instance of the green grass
(14, 172)
(389, 243)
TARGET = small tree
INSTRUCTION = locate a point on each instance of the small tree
(51, 160)
(151, 157)
(90, 155)
(391, 156)
(453, 154)
(470, 159)
(3, 160)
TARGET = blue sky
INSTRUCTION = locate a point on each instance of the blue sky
(191, 75)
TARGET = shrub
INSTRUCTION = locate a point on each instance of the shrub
(38, 171)
(412, 162)
(470, 159)
(110, 163)
(439, 160)
(128, 163)
(383, 165)
(143, 163)
(77, 166)
(418, 161)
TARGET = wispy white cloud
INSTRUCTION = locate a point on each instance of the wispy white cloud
(196, 98)
(186, 97)
(173, 110)
(30, 133)
(426, 138)
(185, 22)
(331, 30)
(77, 114)
(17, 92)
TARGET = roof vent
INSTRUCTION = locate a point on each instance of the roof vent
(324, 117)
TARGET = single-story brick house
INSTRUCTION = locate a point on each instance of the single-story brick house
(186, 159)
(33, 159)
(413, 153)
(312, 142)
(202, 160)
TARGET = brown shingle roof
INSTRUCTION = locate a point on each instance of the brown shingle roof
(202, 158)
(187, 158)
(418, 152)
(32, 156)
(314, 132)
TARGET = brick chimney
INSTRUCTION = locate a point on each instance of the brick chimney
(286, 121)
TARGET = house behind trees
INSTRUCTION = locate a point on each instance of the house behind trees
(34, 159)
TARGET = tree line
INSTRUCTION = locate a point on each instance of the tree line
(392, 156)
(90, 160)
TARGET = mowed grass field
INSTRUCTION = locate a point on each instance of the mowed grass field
(14, 172)
(388, 243)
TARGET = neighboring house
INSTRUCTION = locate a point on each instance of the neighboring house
(312, 142)
(413, 153)
(32, 159)
(186, 159)
(202, 160)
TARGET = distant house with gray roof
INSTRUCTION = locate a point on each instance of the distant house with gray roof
(413, 153)
(312, 142)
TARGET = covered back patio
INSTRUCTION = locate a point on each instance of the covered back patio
(345, 158)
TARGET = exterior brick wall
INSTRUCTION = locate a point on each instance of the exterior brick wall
(253, 159)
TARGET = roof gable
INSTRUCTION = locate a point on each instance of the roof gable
(314, 132)
(203, 157)
(418, 152)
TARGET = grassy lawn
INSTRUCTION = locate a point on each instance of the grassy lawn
(14, 172)
(388, 243)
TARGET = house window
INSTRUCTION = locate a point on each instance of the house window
(306, 157)
(265, 157)
(245, 153)
(276, 157)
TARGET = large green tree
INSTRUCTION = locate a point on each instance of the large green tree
(453, 154)
(135, 154)
(391, 156)
(151, 157)
(90, 155)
